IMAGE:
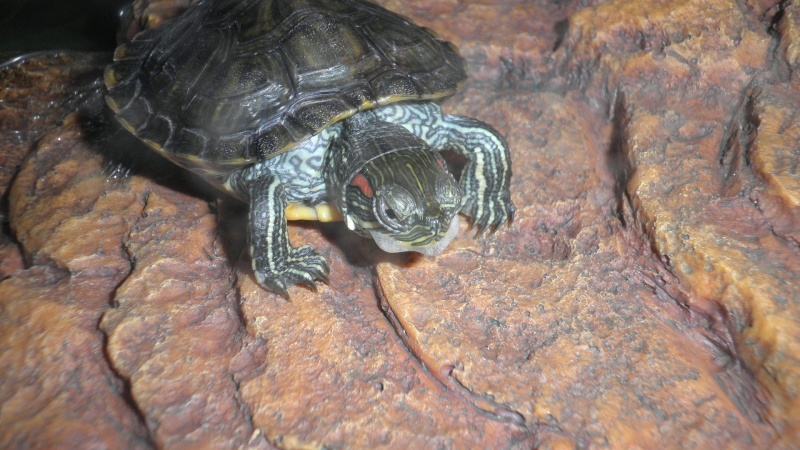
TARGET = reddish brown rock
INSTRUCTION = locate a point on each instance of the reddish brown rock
(175, 332)
(337, 375)
(25, 114)
(703, 154)
(644, 296)
(773, 143)
(506, 42)
(58, 389)
(789, 36)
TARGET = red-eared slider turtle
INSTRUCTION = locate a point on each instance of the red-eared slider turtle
(283, 102)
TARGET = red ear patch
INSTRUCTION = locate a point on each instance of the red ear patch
(361, 182)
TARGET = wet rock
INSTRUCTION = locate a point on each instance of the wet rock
(26, 112)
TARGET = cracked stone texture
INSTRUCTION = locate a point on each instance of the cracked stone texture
(646, 294)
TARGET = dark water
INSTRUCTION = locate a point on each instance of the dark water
(33, 25)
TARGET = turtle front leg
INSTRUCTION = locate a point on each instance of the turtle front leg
(486, 177)
(276, 264)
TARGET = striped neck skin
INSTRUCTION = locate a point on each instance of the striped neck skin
(407, 201)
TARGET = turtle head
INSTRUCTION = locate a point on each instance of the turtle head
(406, 200)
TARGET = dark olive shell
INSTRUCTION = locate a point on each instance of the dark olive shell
(232, 82)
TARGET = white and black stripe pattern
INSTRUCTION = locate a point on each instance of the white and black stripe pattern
(276, 264)
(487, 176)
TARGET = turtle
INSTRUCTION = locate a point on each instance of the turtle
(318, 110)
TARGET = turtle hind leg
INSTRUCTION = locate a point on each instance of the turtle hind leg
(276, 264)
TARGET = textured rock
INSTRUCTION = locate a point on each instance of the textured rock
(175, 333)
(25, 114)
(704, 137)
(645, 296)
(337, 375)
(58, 388)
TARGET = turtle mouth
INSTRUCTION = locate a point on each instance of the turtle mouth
(389, 244)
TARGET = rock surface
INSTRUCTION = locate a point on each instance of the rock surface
(646, 294)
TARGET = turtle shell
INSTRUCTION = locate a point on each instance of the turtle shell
(232, 82)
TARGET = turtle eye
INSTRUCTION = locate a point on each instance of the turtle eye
(394, 207)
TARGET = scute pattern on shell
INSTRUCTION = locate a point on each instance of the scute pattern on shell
(233, 82)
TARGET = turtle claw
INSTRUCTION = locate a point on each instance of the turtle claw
(277, 287)
(324, 277)
(302, 266)
(489, 215)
